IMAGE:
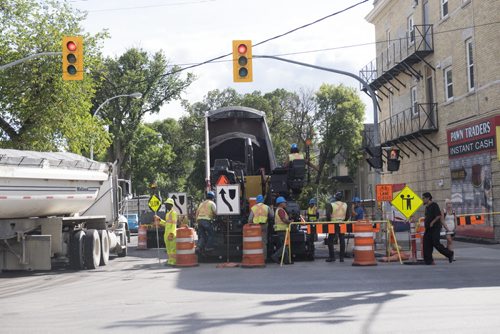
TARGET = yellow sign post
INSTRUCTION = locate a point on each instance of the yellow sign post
(407, 202)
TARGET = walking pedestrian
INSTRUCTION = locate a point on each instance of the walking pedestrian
(449, 223)
(432, 230)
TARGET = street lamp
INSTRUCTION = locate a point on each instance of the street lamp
(135, 95)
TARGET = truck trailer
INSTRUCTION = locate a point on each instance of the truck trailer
(58, 207)
(239, 151)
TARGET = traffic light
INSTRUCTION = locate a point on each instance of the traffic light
(393, 160)
(72, 58)
(242, 61)
(375, 160)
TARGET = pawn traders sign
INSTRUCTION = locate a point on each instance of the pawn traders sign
(154, 203)
(407, 202)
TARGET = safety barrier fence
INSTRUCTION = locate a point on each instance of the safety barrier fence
(344, 226)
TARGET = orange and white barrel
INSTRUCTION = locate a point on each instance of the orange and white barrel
(253, 251)
(186, 248)
(142, 237)
(364, 246)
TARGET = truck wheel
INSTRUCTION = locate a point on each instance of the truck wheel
(92, 249)
(123, 251)
(76, 245)
(103, 234)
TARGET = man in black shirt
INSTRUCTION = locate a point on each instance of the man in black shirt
(432, 230)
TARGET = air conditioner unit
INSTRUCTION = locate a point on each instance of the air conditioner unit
(415, 3)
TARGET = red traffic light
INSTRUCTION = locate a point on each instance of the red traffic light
(71, 46)
(242, 48)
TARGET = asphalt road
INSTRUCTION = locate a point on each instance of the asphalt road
(136, 294)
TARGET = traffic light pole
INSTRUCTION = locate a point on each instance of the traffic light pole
(376, 138)
(22, 60)
(364, 83)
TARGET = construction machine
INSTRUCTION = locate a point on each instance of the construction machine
(239, 152)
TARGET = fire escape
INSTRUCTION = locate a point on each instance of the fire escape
(407, 128)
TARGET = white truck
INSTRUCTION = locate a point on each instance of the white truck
(58, 207)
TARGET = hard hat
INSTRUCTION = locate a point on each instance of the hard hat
(294, 146)
(169, 201)
(280, 200)
(312, 201)
(338, 195)
(356, 199)
(210, 194)
(260, 199)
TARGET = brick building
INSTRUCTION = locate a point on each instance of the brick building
(437, 79)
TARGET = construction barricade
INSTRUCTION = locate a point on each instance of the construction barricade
(142, 237)
(186, 248)
(253, 250)
(364, 246)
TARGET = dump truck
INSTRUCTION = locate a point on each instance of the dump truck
(239, 151)
(59, 207)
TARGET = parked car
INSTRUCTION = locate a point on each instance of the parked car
(133, 222)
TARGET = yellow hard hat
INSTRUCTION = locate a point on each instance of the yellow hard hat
(169, 201)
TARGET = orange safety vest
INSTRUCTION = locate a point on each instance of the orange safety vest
(260, 213)
(279, 225)
(205, 211)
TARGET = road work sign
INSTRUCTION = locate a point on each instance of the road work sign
(154, 203)
(384, 192)
(407, 202)
(180, 202)
(228, 199)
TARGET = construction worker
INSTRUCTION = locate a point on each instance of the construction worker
(260, 214)
(313, 216)
(357, 211)
(170, 224)
(204, 215)
(281, 222)
(337, 212)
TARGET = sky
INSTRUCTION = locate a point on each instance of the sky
(193, 31)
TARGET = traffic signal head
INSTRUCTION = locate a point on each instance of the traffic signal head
(375, 159)
(242, 61)
(393, 160)
(72, 58)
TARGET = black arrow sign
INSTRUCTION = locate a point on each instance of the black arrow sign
(222, 193)
(175, 203)
(181, 199)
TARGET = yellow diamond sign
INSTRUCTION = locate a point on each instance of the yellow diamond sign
(407, 202)
(154, 203)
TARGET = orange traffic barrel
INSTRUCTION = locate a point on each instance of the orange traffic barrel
(185, 248)
(253, 251)
(142, 237)
(364, 247)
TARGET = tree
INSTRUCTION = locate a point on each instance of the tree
(340, 113)
(38, 110)
(134, 71)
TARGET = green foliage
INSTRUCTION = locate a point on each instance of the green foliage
(135, 71)
(38, 110)
(340, 114)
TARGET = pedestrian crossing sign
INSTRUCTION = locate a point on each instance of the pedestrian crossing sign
(407, 202)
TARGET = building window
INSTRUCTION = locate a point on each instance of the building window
(444, 8)
(413, 100)
(448, 83)
(470, 64)
(411, 31)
